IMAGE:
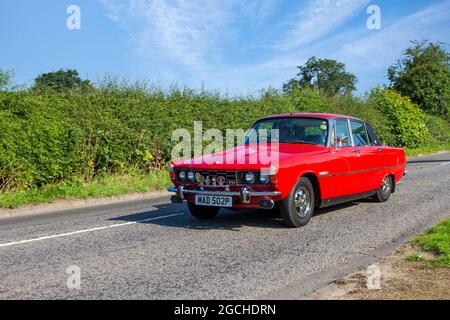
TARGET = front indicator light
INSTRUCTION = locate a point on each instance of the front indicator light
(171, 172)
(273, 180)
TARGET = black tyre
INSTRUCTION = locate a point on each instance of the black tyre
(385, 190)
(298, 208)
(201, 212)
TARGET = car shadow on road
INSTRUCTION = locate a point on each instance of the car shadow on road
(336, 208)
(225, 220)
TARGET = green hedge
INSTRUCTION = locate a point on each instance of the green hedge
(407, 122)
(50, 137)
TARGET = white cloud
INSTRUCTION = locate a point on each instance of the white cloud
(380, 46)
(258, 10)
(371, 53)
(191, 33)
(195, 41)
(113, 17)
(186, 30)
(366, 53)
(318, 19)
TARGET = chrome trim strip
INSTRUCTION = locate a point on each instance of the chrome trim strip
(227, 193)
(359, 171)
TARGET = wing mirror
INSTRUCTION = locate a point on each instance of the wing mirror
(340, 141)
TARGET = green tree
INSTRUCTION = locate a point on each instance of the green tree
(323, 75)
(5, 79)
(407, 121)
(61, 80)
(423, 74)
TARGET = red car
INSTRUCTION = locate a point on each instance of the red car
(322, 160)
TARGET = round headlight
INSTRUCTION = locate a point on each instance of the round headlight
(182, 175)
(264, 177)
(190, 176)
(249, 177)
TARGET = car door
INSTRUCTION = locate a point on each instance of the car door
(367, 166)
(378, 155)
(343, 180)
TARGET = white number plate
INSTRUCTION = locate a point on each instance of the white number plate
(213, 201)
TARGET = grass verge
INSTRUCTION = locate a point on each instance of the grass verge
(418, 270)
(104, 186)
(427, 149)
(436, 241)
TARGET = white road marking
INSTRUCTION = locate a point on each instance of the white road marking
(87, 230)
(445, 163)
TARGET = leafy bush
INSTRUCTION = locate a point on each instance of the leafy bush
(407, 122)
(439, 129)
(51, 137)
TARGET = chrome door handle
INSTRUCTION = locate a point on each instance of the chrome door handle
(356, 150)
(378, 149)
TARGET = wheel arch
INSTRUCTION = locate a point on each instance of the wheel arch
(393, 181)
(392, 175)
(316, 186)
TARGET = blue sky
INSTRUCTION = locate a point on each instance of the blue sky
(237, 47)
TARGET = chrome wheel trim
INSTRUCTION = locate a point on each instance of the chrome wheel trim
(386, 186)
(302, 202)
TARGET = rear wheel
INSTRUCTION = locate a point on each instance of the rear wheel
(385, 190)
(201, 212)
(297, 209)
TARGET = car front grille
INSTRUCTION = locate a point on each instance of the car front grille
(216, 178)
(213, 178)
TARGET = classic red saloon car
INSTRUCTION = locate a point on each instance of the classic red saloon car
(323, 159)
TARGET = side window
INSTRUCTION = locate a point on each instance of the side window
(342, 138)
(373, 138)
(359, 134)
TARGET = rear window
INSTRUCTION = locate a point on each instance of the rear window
(373, 138)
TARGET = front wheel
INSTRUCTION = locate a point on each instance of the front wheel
(201, 212)
(297, 209)
(385, 190)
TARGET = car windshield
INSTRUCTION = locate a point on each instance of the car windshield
(290, 130)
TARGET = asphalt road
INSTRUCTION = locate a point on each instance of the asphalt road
(156, 250)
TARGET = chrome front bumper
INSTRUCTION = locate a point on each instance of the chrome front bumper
(245, 193)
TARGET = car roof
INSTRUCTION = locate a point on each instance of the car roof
(311, 115)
